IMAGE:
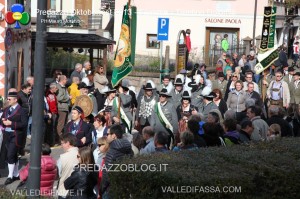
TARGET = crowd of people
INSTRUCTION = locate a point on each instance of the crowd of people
(231, 105)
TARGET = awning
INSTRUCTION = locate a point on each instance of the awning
(75, 40)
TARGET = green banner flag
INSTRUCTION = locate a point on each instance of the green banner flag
(272, 28)
(123, 66)
(268, 58)
(265, 35)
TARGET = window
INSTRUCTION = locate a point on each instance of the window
(152, 41)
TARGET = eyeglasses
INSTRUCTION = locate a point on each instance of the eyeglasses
(78, 156)
(162, 96)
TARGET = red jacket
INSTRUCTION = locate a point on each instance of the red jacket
(52, 102)
(188, 43)
(48, 174)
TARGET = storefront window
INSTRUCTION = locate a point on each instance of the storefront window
(152, 41)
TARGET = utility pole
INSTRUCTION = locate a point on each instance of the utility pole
(33, 183)
(254, 23)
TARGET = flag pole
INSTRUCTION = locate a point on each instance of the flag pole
(119, 103)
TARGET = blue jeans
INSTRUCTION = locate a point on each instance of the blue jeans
(29, 125)
(296, 57)
(256, 78)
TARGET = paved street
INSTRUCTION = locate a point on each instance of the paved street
(23, 161)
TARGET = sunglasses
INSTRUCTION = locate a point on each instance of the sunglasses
(234, 76)
(99, 145)
(162, 96)
(78, 156)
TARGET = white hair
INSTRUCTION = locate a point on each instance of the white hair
(85, 63)
(78, 65)
(29, 78)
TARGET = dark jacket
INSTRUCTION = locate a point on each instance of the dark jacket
(19, 121)
(134, 102)
(286, 129)
(222, 107)
(180, 112)
(100, 98)
(23, 100)
(83, 130)
(244, 137)
(283, 59)
(254, 95)
(199, 141)
(81, 183)
(118, 149)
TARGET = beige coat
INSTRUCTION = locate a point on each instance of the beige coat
(100, 81)
(66, 163)
(285, 92)
(295, 94)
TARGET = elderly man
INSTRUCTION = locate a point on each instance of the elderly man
(148, 135)
(86, 69)
(249, 78)
(77, 72)
(14, 121)
(254, 113)
(63, 100)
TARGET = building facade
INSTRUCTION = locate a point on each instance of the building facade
(208, 21)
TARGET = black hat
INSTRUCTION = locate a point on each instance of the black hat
(211, 95)
(192, 84)
(186, 95)
(12, 94)
(164, 92)
(220, 74)
(148, 86)
(83, 85)
(78, 109)
(291, 69)
(297, 73)
(178, 81)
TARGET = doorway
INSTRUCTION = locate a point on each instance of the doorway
(214, 38)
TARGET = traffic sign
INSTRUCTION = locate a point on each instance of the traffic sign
(163, 29)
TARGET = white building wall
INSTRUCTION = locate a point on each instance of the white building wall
(190, 14)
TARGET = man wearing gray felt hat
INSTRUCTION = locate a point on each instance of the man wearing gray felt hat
(164, 117)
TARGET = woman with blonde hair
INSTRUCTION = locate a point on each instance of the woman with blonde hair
(100, 152)
(274, 132)
(231, 84)
(237, 98)
(83, 179)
